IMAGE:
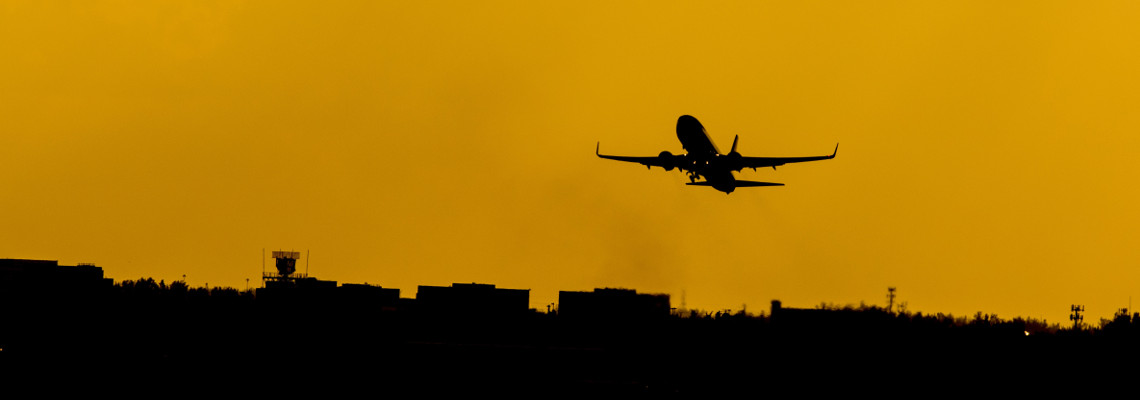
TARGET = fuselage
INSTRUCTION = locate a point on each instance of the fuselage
(703, 157)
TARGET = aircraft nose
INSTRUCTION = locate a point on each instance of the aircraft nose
(687, 125)
(688, 122)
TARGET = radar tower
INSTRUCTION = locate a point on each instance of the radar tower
(286, 275)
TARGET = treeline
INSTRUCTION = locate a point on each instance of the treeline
(1122, 323)
(147, 289)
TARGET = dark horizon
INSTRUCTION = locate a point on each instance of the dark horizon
(482, 338)
(41, 274)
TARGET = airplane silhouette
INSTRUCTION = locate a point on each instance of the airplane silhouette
(704, 160)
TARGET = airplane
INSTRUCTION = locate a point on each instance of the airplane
(704, 160)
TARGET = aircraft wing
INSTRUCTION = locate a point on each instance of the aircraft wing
(665, 160)
(763, 162)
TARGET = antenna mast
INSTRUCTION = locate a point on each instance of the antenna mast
(890, 298)
(1076, 316)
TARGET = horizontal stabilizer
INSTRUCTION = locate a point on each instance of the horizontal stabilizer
(739, 184)
(751, 183)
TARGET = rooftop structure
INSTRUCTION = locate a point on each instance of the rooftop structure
(612, 304)
(472, 299)
(17, 275)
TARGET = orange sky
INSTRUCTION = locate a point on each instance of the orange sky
(985, 161)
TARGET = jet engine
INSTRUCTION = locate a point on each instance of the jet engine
(734, 159)
(667, 160)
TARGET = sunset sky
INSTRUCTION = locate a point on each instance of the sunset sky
(986, 149)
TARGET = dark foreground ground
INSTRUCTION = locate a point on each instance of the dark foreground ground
(272, 349)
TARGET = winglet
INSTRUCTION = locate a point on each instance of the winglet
(836, 150)
(734, 144)
(598, 150)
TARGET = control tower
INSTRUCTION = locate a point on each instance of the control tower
(286, 275)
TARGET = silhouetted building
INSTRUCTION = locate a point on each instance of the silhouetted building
(364, 295)
(47, 308)
(299, 283)
(612, 304)
(297, 290)
(845, 322)
(472, 299)
(47, 277)
(808, 316)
